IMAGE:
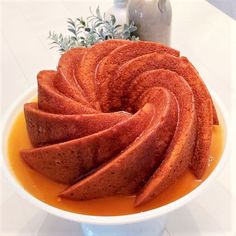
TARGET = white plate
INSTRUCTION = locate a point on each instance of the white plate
(195, 210)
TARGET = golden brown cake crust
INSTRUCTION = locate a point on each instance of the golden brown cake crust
(128, 171)
(83, 138)
(108, 68)
(68, 161)
(86, 70)
(47, 128)
(127, 93)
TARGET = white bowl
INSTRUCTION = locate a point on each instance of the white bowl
(148, 221)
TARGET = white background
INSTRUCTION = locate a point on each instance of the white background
(200, 31)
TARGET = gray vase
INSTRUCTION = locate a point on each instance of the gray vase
(119, 10)
(153, 19)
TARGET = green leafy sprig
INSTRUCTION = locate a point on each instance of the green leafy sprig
(96, 28)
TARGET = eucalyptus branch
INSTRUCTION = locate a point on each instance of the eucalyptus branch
(95, 28)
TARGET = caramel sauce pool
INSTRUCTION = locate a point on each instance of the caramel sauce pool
(46, 190)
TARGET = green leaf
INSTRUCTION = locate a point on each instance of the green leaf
(81, 21)
(74, 38)
(126, 27)
(118, 26)
(72, 31)
(71, 22)
(126, 34)
(98, 24)
(132, 28)
(98, 13)
(113, 19)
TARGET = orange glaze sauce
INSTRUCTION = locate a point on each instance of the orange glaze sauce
(46, 190)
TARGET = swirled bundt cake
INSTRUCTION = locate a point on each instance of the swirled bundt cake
(120, 117)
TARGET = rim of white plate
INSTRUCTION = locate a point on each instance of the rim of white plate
(10, 117)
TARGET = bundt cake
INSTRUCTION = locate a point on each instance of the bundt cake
(120, 118)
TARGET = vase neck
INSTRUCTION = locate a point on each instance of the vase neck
(120, 3)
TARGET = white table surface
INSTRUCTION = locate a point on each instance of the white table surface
(200, 31)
